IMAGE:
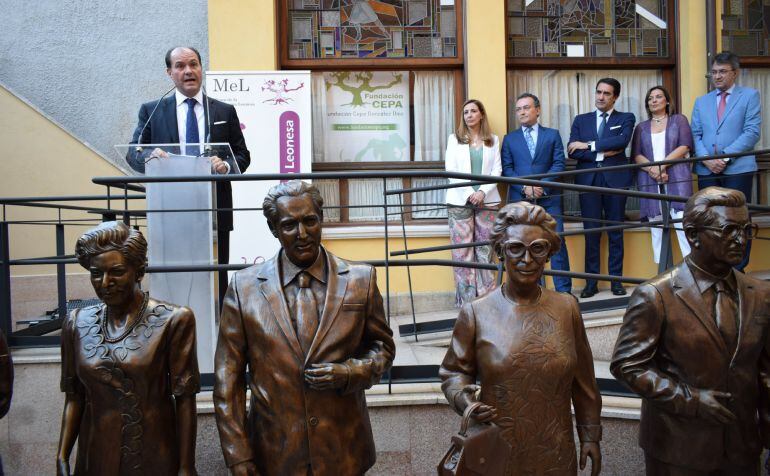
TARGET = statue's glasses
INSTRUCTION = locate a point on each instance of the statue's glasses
(731, 230)
(538, 249)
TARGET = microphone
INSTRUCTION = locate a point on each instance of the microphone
(139, 147)
(207, 149)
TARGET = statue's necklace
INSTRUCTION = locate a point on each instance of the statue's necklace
(129, 328)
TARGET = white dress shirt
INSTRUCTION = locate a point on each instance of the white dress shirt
(600, 155)
(181, 117)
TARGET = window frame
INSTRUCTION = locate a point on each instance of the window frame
(456, 65)
(335, 64)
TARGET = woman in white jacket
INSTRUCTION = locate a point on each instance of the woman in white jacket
(472, 209)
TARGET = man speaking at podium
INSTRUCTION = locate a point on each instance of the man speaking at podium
(190, 117)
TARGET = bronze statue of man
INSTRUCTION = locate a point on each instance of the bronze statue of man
(311, 329)
(695, 346)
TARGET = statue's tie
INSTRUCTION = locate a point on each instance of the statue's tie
(725, 313)
(306, 312)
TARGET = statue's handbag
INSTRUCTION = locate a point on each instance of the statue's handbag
(479, 449)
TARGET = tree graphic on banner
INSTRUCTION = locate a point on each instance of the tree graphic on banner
(361, 83)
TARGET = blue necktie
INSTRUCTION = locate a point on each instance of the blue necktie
(602, 125)
(530, 141)
(191, 136)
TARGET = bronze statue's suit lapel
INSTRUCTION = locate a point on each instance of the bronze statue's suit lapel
(687, 290)
(270, 285)
(336, 287)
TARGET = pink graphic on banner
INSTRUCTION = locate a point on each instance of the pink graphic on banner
(288, 129)
(280, 90)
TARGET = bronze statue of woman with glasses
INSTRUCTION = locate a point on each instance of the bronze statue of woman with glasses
(527, 347)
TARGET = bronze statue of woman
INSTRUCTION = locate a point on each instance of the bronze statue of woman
(527, 347)
(129, 368)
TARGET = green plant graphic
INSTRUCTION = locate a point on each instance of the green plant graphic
(363, 81)
(389, 150)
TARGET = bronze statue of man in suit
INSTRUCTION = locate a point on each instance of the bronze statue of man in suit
(312, 331)
(695, 346)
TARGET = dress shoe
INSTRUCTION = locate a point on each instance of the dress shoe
(588, 292)
(618, 289)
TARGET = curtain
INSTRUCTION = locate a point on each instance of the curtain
(434, 199)
(566, 93)
(330, 191)
(318, 95)
(369, 192)
(434, 111)
(759, 79)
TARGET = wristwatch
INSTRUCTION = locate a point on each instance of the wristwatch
(727, 160)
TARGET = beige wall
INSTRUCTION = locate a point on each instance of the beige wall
(46, 161)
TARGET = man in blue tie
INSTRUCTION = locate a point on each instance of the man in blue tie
(599, 139)
(726, 121)
(534, 149)
(189, 117)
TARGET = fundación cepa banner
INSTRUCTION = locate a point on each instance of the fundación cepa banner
(274, 108)
(367, 116)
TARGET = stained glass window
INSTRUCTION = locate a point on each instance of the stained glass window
(587, 28)
(323, 29)
(746, 27)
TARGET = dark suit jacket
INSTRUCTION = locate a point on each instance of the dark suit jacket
(517, 161)
(669, 347)
(225, 127)
(290, 426)
(617, 134)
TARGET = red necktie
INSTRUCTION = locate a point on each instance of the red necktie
(722, 106)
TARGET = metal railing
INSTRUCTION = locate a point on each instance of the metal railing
(117, 206)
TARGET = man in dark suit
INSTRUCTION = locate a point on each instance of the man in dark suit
(534, 149)
(599, 139)
(310, 328)
(190, 117)
(695, 346)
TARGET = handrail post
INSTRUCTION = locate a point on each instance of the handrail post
(5, 281)
(665, 254)
(387, 267)
(61, 276)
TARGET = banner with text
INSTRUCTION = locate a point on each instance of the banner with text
(274, 108)
(367, 116)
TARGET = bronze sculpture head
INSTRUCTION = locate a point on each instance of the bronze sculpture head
(116, 257)
(717, 225)
(294, 214)
(524, 237)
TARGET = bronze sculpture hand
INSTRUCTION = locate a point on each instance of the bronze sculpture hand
(327, 376)
(710, 409)
(247, 468)
(590, 449)
(484, 413)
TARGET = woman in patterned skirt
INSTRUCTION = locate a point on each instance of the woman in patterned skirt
(473, 149)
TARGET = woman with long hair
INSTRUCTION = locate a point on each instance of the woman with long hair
(473, 149)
